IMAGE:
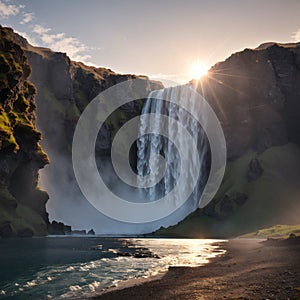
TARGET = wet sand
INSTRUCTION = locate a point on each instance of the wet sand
(250, 269)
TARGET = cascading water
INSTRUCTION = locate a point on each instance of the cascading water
(150, 145)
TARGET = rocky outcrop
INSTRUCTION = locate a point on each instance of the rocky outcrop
(22, 203)
(225, 207)
(255, 94)
(91, 232)
(255, 170)
(58, 228)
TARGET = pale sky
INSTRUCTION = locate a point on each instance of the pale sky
(162, 39)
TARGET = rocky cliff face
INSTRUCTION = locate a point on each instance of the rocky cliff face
(22, 203)
(64, 88)
(256, 95)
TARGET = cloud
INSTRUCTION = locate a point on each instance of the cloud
(62, 43)
(27, 17)
(40, 29)
(7, 10)
(44, 36)
(296, 35)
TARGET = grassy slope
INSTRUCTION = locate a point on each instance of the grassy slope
(272, 198)
(277, 231)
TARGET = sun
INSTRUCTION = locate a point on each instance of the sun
(198, 71)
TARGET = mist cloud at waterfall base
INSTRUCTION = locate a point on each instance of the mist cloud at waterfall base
(68, 204)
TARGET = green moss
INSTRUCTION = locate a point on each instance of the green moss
(26, 127)
(22, 104)
(9, 64)
(22, 119)
(42, 156)
(5, 122)
(8, 139)
(4, 65)
(10, 143)
(30, 89)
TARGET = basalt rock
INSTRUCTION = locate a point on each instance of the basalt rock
(59, 228)
(226, 206)
(255, 170)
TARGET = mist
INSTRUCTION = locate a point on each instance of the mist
(68, 204)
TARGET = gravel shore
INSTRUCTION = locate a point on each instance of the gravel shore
(250, 269)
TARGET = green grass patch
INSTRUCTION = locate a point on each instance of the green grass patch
(6, 132)
(277, 231)
(5, 122)
(272, 198)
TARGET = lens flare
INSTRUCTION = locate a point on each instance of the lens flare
(198, 70)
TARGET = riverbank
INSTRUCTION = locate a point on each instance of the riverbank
(250, 269)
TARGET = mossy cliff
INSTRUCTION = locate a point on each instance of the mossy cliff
(64, 88)
(22, 203)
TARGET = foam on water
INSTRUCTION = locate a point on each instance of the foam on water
(55, 277)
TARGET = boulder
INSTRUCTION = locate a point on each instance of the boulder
(91, 232)
(255, 170)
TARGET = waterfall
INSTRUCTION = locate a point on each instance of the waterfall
(149, 146)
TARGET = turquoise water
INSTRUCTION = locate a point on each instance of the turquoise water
(68, 267)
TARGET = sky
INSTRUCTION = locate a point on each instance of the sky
(163, 39)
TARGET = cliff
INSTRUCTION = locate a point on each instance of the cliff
(64, 88)
(22, 203)
(256, 96)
